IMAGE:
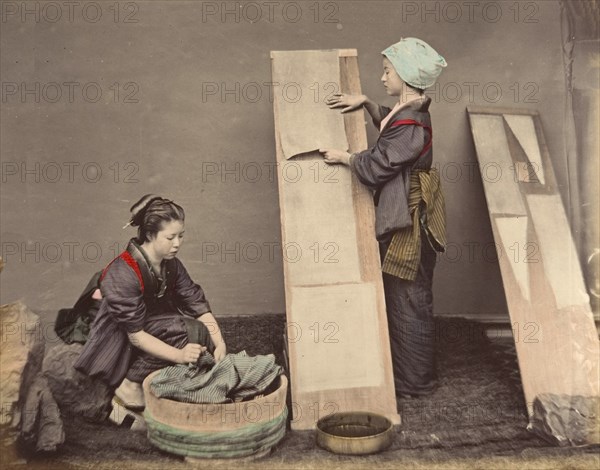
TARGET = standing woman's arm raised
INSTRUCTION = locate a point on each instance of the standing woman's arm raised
(353, 102)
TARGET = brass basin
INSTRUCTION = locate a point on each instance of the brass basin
(357, 433)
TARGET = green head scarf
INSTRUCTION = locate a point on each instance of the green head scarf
(417, 63)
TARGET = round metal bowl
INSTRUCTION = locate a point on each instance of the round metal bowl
(357, 433)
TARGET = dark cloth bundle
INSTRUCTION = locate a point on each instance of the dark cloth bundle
(73, 324)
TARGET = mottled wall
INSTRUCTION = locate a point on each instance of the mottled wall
(185, 112)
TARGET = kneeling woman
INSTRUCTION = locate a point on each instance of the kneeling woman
(152, 314)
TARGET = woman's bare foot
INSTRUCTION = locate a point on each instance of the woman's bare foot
(131, 394)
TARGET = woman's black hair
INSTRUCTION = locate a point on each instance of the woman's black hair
(149, 214)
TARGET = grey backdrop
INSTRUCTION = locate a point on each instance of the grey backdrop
(157, 128)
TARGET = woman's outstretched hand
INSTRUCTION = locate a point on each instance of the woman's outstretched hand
(346, 102)
(190, 353)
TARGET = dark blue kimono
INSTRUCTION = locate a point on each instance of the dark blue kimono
(386, 168)
(135, 298)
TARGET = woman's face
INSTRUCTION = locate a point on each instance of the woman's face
(391, 80)
(167, 241)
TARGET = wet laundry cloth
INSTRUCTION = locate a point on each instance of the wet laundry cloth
(237, 377)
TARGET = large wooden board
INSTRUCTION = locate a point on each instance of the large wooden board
(556, 339)
(339, 351)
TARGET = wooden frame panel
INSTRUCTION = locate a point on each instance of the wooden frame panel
(366, 390)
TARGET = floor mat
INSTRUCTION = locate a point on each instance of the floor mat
(476, 412)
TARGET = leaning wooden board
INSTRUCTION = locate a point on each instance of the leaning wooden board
(339, 353)
(553, 327)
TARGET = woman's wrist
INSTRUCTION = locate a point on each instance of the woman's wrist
(179, 357)
(351, 157)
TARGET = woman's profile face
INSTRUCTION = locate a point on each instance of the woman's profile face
(168, 240)
(391, 80)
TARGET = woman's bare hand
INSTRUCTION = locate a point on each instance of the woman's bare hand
(345, 101)
(333, 156)
(190, 353)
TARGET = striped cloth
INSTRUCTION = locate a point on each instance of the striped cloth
(404, 253)
(237, 377)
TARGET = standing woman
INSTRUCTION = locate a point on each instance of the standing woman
(410, 220)
(152, 314)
